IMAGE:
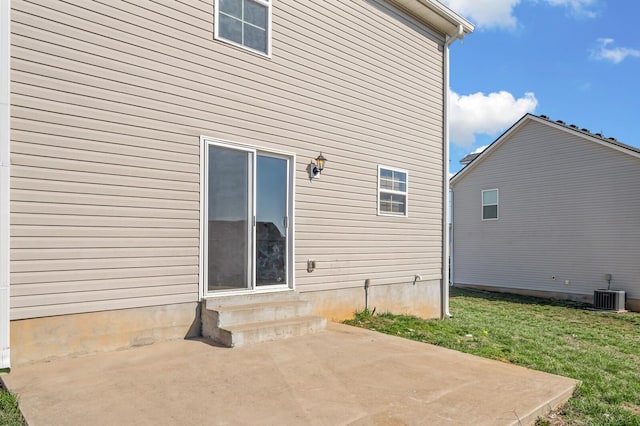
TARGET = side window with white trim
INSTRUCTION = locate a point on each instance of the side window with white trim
(489, 204)
(393, 191)
(245, 23)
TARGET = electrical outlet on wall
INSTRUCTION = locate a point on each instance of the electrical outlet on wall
(311, 265)
(566, 282)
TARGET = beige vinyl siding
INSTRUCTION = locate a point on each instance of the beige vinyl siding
(567, 209)
(108, 104)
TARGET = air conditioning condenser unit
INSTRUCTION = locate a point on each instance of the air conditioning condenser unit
(609, 300)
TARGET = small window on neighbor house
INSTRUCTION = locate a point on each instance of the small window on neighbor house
(489, 204)
(246, 23)
(392, 191)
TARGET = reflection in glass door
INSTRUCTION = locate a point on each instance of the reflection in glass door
(271, 220)
(247, 228)
(230, 218)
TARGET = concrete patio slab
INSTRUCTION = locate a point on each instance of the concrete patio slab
(342, 376)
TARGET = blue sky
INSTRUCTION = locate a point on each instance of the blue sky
(572, 60)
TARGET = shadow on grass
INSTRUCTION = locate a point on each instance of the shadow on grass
(517, 298)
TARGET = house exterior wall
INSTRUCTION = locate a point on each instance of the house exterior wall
(109, 103)
(565, 210)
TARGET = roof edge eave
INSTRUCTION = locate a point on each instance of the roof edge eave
(437, 14)
(616, 145)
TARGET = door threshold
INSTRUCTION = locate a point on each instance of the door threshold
(224, 293)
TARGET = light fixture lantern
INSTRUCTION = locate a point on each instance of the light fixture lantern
(320, 160)
(315, 169)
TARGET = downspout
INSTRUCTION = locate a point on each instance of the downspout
(5, 75)
(444, 311)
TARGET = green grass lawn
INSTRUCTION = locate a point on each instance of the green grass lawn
(602, 350)
(9, 412)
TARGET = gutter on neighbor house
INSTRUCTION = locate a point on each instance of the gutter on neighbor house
(444, 311)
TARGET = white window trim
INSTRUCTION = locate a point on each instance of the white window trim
(216, 27)
(405, 193)
(206, 140)
(497, 204)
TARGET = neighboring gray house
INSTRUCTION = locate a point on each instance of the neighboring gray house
(161, 158)
(549, 209)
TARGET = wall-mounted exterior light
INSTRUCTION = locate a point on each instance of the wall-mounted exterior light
(315, 169)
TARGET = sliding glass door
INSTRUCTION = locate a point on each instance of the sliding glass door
(247, 202)
(230, 218)
(271, 220)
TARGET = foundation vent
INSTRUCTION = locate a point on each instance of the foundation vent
(610, 300)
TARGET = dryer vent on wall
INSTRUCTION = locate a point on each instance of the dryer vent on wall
(610, 300)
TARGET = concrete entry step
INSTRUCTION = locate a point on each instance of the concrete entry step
(242, 334)
(258, 312)
(241, 319)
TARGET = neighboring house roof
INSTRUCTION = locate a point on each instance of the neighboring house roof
(437, 15)
(558, 124)
(469, 158)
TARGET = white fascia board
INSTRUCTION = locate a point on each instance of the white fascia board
(5, 8)
(437, 14)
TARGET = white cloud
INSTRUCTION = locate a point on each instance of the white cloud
(487, 114)
(479, 149)
(578, 7)
(613, 54)
(500, 13)
(487, 13)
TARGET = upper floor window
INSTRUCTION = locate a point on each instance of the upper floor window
(489, 204)
(246, 23)
(392, 191)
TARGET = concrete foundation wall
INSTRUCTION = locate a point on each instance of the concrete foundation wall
(630, 305)
(41, 339)
(421, 299)
(633, 305)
